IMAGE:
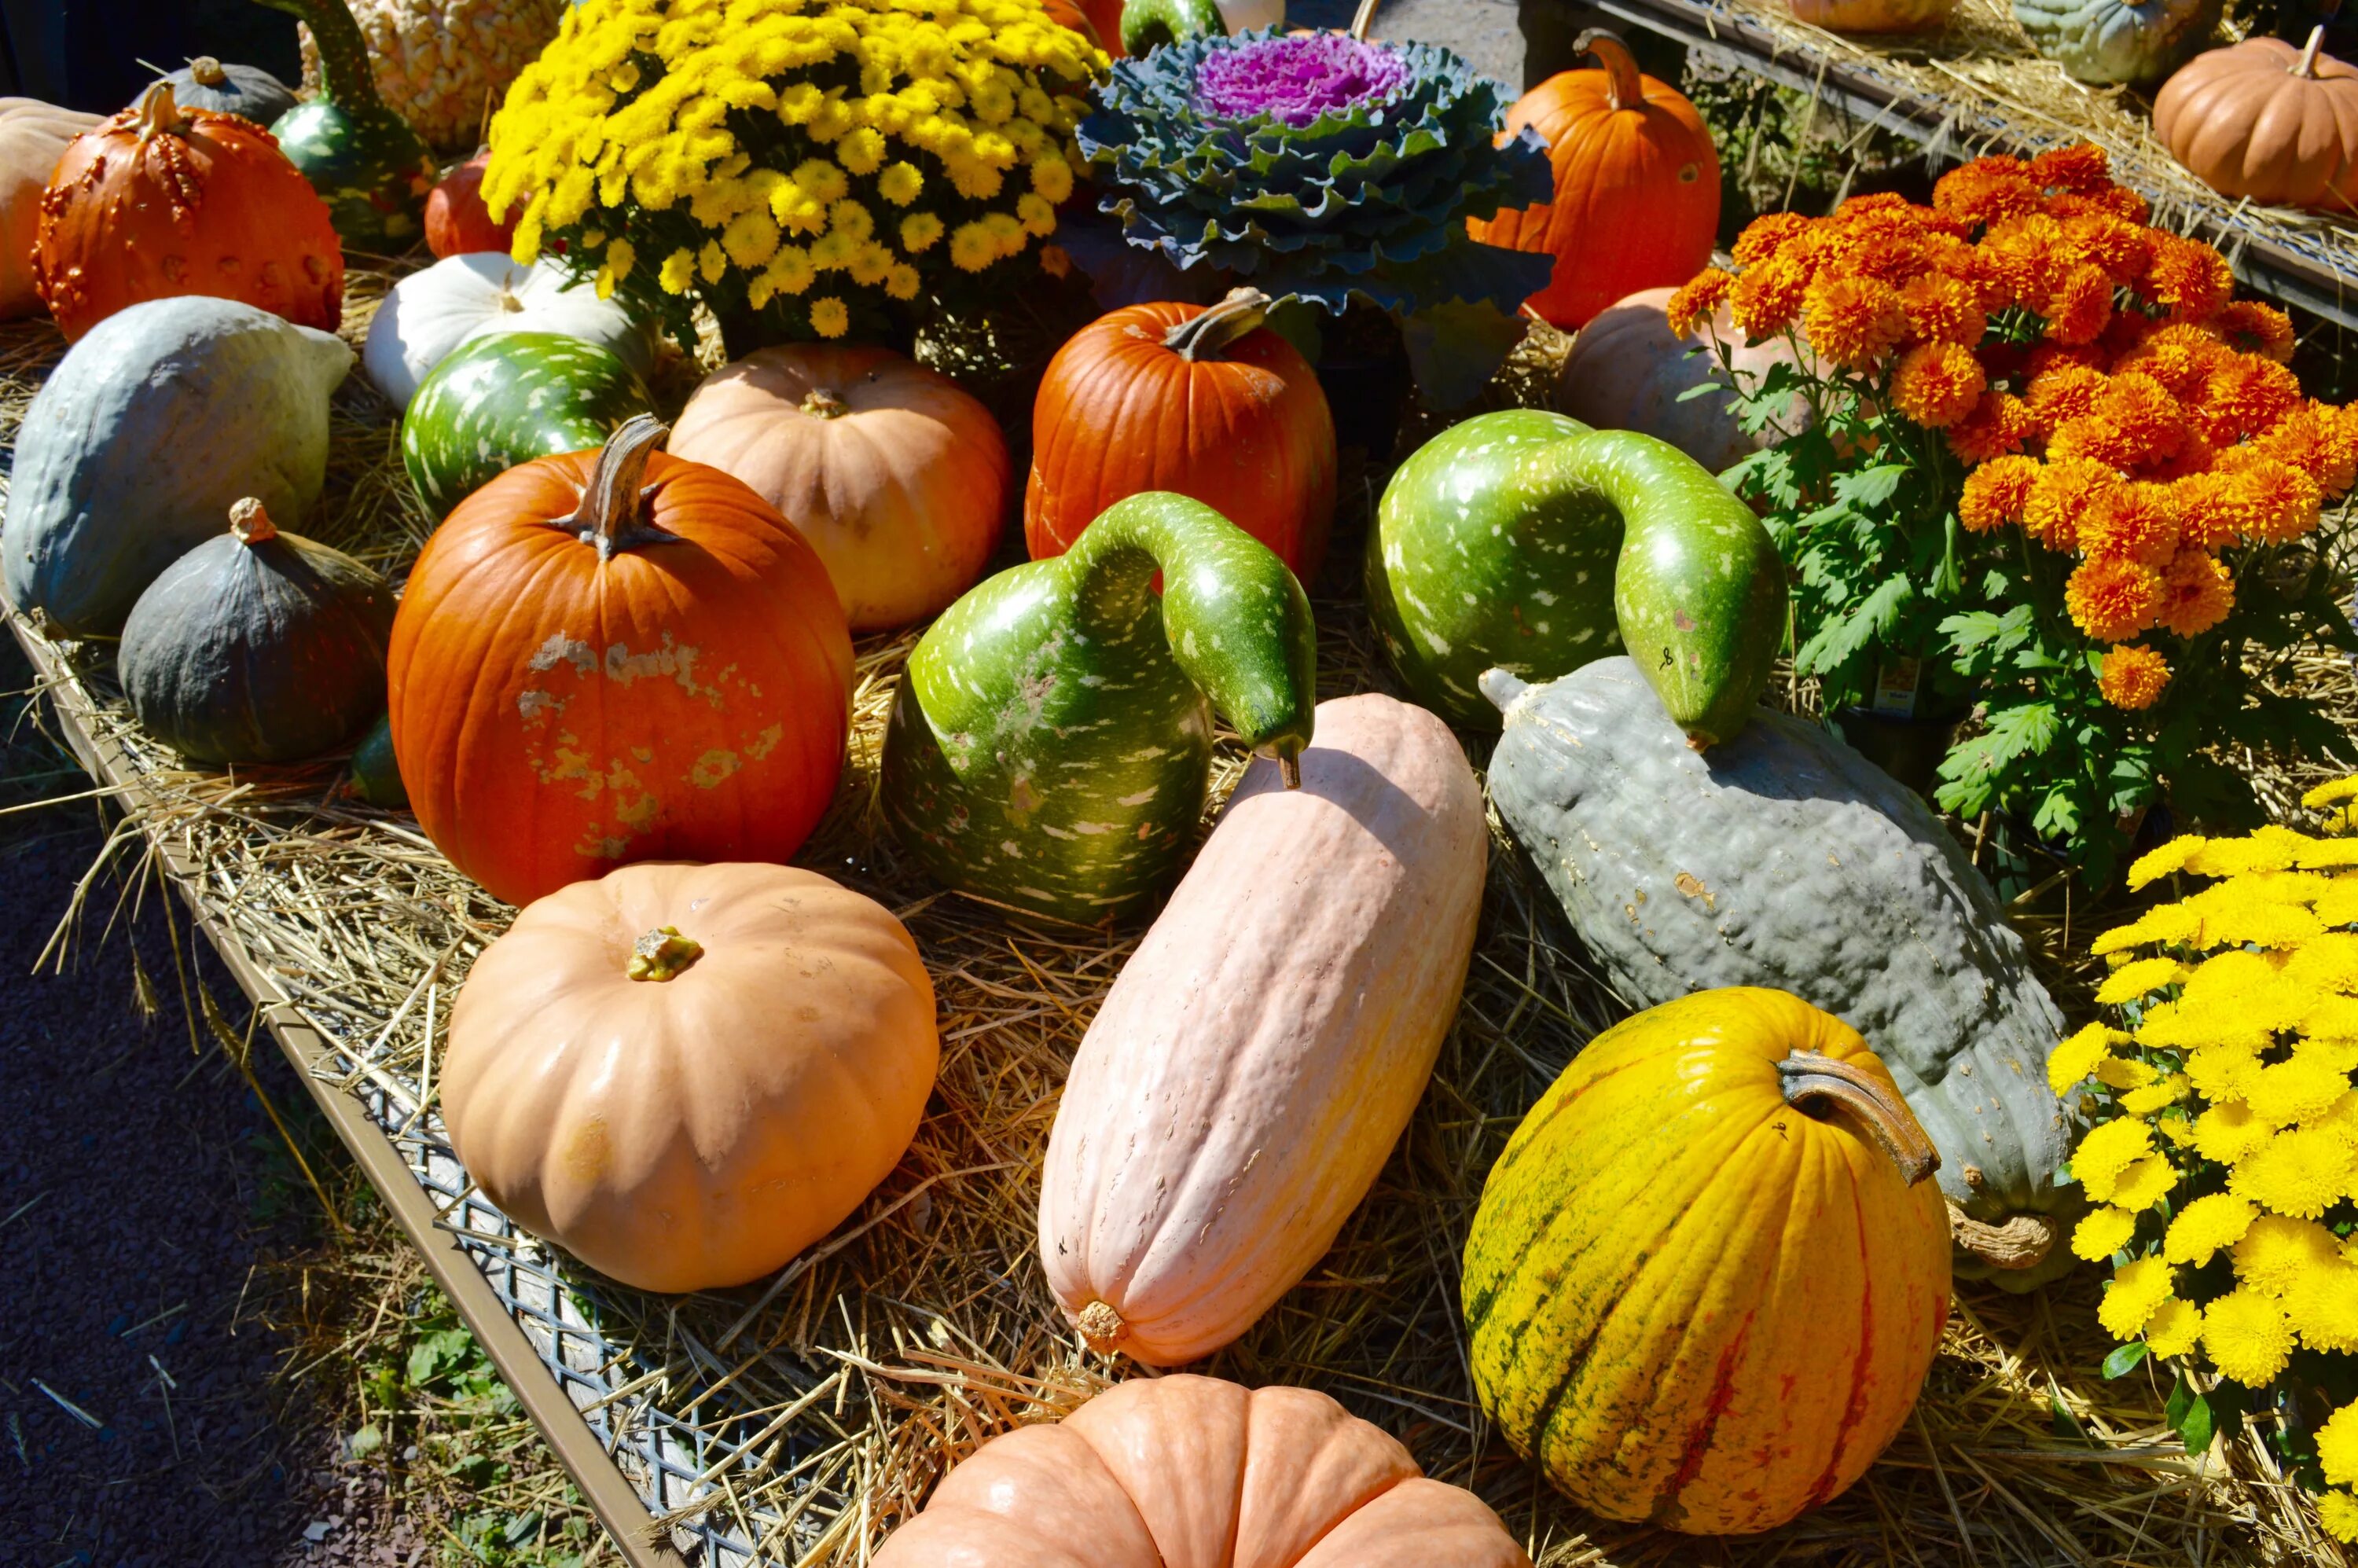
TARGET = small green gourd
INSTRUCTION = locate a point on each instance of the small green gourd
(367, 164)
(498, 401)
(376, 772)
(1051, 742)
(1150, 24)
(1527, 541)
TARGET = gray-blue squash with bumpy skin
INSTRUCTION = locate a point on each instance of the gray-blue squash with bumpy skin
(1782, 857)
(257, 647)
(152, 426)
(2107, 41)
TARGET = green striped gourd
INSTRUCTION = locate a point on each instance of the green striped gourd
(1051, 742)
(495, 402)
(367, 164)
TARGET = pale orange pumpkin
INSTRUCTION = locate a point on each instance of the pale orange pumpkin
(1874, 16)
(1189, 1472)
(2267, 123)
(896, 477)
(686, 1075)
(33, 137)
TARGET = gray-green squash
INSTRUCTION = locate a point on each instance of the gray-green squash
(1528, 541)
(1784, 859)
(246, 91)
(2108, 41)
(148, 431)
(1051, 742)
(257, 647)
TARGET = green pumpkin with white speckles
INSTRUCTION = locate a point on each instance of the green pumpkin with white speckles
(371, 169)
(1051, 742)
(1526, 541)
(500, 401)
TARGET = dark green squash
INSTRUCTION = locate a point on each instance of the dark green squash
(246, 91)
(498, 401)
(367, 164)
(1527, 541)
(257, 647)
(1051, 742)
(376, 772)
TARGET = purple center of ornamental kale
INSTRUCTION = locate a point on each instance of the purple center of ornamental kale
(1295, 80)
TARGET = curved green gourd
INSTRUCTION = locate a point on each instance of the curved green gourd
(495, 402)
(376, 772)
(1051, 742)
(1526, 541)
(367, 164)
(1149, 24)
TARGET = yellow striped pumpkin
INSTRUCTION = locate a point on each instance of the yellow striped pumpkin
(1708, 1273)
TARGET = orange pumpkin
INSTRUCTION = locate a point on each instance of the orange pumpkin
(2266, 122)
(1190, 1472)
(1205, 403)
(1637, 184)
(613, 656)
(1099, 21)
(157, 204)
(1874, 16)
(898, 479)
(686, 1075)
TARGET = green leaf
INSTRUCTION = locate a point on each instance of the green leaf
(2189, 1415)
(2060, 1419)
(2124, 1358)
(1871, 487)
(439, 1354)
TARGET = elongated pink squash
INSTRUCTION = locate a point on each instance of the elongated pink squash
(1196, 1473)
(1258, 1057)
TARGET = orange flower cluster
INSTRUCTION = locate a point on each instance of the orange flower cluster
(2108, 394)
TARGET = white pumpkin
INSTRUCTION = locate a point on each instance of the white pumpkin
(430, 313)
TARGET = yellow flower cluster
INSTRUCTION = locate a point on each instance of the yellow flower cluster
(2229, 1112)
(790, 153)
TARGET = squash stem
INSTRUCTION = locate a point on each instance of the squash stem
(250, 524)
(1101, 1326)
(609, 515)
(158, 113)
(2306, 66)
(206, 72)
(824, 403)
(1624, 85)
(663, 954)
(1199, 336)
(1816, 1085)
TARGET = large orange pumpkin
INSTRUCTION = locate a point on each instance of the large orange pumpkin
(1637, 184)
(613, 656)
(897, 477)
(1205, 403)
(157, 203)
(686, 1075)
(1190, 1472)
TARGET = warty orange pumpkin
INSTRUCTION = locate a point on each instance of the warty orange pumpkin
(1637, 184)
(1191, 1471)
(1205, 403)
(157, 204)
(896, 477)
(616, 655)
(1709, 1272)
(686, 1075)
(33, 137)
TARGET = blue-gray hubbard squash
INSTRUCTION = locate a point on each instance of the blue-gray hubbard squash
(257, 647)
(147, 432)
(2106, 41)
(1784, 859)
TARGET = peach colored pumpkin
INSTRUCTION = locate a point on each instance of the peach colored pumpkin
(1875, 15)
(1626, 372)
(685, 1075)
(33, 137)
(1260, 1055)
(2266, 121)
(1197, 1473)
(897, 477)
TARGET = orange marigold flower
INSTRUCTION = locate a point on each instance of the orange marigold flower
(2111, 599)
(2253, 328)
(1854, 320)
(1999, 424)
(2130, 523)
(2045, 357)
(2180, 356)
(2186, 279)
(2122, 202)
(2067, 391)
(1766, 235)
(1873, 201)
(1696, 299)
(2319, 440)
(2281, 502)
(1938, 384)
(2210, 513)
(2197, 592)
(2080, 307)
(1996, 492)
(2127, 333)
(2132, 676)
(2082, 169)
(2096, 439)
(1768, 297)
(2021, 250)
(2194, 455)
(2065, 488)
(2117, 248)
(1986, 189)
(2245, 396)
(2147, 414)
(1943, 309)
(1887, 257)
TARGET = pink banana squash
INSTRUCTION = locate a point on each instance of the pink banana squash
(1261, 1051)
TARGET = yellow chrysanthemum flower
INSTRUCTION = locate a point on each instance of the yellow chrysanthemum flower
(2108, 1150)
(901, 183)
(2300, 1171)
(2077, 1059)
(2136, 978)
(2102, 1233)
(2337, 1447)
(2249, 1336)
(2142, 1185)
(920, 232)
(678, 272)
(2204, 1226)
(2174, 1329)
(2304, 1086)
(2279, 1250)
(2135, 1291)
(2323, 1303)
(830, 318)
(973, 247)
(2166, 860)
(2155, 1095)
(2338, 1512)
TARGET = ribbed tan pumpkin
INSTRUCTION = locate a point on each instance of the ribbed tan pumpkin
(1627, 371)
(896, 477)
(1196, 1473)
(33, 137)
(2267, 122)
(1259, 1055)
(686, 1075)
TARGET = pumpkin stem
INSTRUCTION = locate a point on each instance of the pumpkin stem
(206, 72)
(1289, 761)
(1244, 311)
(824, 403)
(2306, 66)
(509, 303)
(249, 525)
(1100, 1326)
(2022, 1242)
(1816, 1086)
(663, 954)
(608, 516)
(1624, 86)
(158, 113)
